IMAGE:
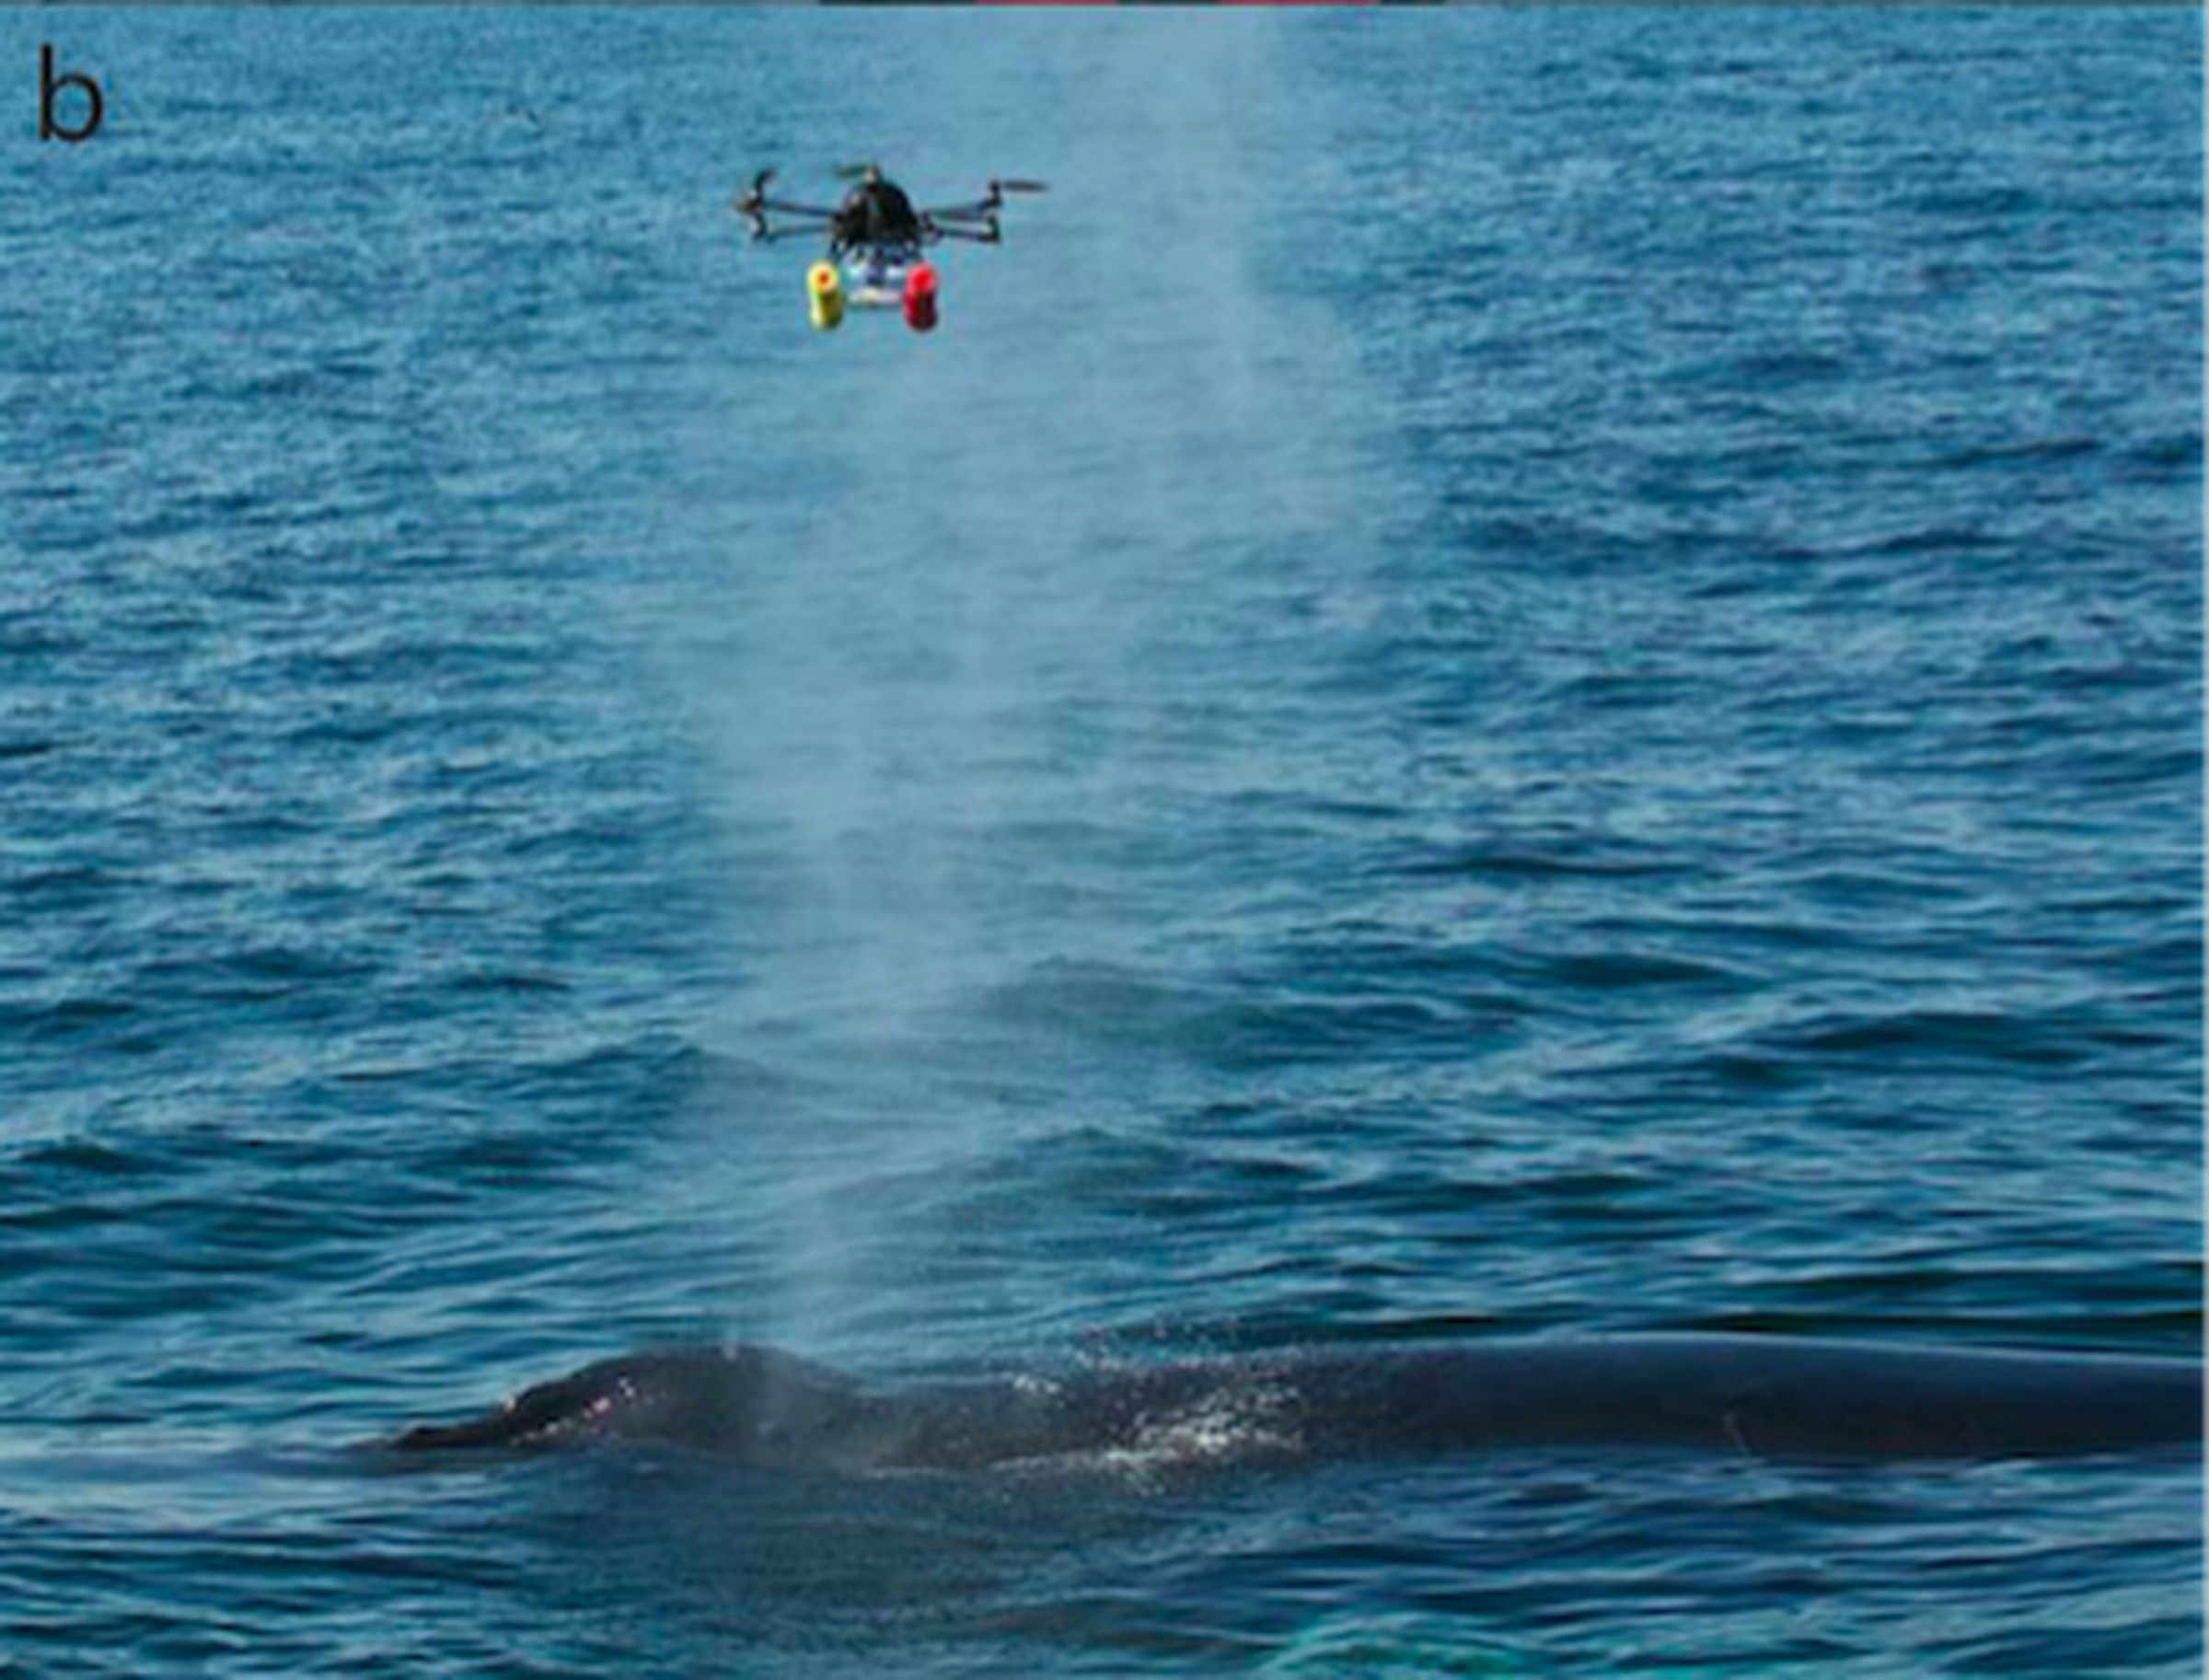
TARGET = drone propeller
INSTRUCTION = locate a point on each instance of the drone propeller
(982, 214)
(759, 210)
(754, 199)
(852, 171)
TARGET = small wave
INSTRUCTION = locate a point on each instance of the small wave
(1943, 1032)
(503, 981)
(1991, 199)
(87, 1157)
(1568, 860)
(1389, 1647)
(1627, 970)
(2021, 452)
(69, 1017)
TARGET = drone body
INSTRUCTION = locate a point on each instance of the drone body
(876, 239)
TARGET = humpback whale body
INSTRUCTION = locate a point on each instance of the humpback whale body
(1770, 1396)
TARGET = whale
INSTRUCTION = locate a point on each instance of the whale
(1760, 1395)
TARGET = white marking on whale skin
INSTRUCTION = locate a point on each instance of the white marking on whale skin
(1234, 1425)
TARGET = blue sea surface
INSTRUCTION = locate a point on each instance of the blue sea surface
(1509, 671)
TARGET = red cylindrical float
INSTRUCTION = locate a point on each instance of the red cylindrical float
(920, 297)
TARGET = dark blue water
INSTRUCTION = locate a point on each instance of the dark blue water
(1507, 671)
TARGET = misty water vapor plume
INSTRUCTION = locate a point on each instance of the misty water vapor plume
(968, 669)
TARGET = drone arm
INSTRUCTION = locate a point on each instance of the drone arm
(784, 207)
(809, 220)
(979, 211)
(755, 207)
(989, 204)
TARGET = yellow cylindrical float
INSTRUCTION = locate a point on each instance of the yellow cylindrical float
(823, 295)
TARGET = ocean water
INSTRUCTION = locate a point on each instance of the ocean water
(1507, 671)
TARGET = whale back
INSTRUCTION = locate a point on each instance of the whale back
(755, 1404)
(1771, 1396)
(1766, 1395)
